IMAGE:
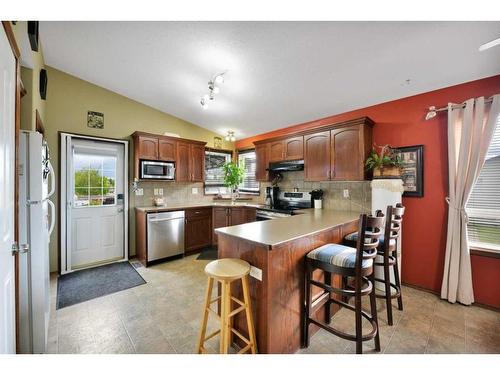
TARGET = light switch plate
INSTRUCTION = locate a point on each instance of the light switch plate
(139, 191)
(256, 273)
(155, 191)
(160, 191)
(346, 193)
(194, 190)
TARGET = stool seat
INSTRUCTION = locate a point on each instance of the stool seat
(227, 269)
(338, 255)
(354, 238)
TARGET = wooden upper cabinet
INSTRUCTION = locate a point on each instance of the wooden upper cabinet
(347, 153)
(317, 156)
(262, 162)
(147, 147)
(197, 165)
(182, 169)
(294, 148)
(188, 155)
(276, 151)
(167, 149)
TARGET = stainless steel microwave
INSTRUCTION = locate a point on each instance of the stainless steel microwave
(157, 170)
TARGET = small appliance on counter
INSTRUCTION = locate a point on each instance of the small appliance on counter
(159, 201)
(272, 193)
(317, 198)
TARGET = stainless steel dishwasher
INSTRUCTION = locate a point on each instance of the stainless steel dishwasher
(165, 234)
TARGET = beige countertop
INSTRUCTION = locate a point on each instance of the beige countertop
(187, 205)
(277, 231)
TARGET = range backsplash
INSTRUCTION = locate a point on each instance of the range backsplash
(360, 194)
(174, 192)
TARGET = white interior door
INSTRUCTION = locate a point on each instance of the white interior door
(95, 202)
(7, 176)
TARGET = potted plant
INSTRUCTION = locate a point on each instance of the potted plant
(385, 164)
(233, 176)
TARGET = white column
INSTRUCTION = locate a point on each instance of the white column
(386, 192)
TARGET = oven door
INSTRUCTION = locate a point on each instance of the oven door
(157, 170)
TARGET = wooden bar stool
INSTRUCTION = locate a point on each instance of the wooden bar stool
(227, 271)
(347, 262)
(388, 250)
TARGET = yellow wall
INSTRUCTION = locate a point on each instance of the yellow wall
(69, 99)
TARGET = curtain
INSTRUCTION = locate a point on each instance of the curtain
(470, 130)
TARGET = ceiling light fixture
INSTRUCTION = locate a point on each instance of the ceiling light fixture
(230, 136)
(489, 45)
(213, 89)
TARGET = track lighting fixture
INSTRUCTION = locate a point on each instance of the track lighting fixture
(213, 89)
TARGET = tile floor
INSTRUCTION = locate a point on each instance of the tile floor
(163, 316)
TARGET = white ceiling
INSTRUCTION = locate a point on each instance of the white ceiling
(278, 73)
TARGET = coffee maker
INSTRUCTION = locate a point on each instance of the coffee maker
(272, 193)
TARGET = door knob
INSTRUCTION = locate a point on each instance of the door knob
(19, 249)
(120, 209)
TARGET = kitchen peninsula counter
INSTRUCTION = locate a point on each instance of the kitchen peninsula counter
(276, 249)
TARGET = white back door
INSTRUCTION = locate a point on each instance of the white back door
(95, 209)
(7, 198)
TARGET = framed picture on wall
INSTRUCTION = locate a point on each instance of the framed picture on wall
(412, 170)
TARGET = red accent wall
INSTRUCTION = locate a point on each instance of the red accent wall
(401, 123)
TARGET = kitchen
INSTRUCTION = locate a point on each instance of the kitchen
(140, 208)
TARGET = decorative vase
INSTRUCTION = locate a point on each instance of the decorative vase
(234, 195)
(387, 172)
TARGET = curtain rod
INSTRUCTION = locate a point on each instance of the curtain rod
(432, 110)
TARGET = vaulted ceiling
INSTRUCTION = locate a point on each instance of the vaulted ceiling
(278, 73)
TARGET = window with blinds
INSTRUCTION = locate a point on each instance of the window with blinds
(250, 185)
(214, 174)
(483, 207)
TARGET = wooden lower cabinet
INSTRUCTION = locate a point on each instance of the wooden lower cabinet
(199, 226)
(229, 216)
(198, 229)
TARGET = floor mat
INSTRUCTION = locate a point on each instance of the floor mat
(84, 285)
(208, 253)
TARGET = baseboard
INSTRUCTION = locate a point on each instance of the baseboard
(488, 307)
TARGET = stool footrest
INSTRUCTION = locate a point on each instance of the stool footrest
(236, 311)
(241, 303)
(211, 335)
(243, 338)
(214, 300)
(213, 312)
(245, 349)
(345, 335)
(344, 292)
(392, 285)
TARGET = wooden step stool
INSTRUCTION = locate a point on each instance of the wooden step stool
(226, 271)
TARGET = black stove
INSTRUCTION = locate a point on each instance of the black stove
(288, 202)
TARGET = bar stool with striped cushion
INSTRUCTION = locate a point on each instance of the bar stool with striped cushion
(355, 262)
(389, 253)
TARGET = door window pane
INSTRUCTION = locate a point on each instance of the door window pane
(94, 180)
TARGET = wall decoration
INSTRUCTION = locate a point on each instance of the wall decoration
(413, 170)
(218, 142)
(95, 120)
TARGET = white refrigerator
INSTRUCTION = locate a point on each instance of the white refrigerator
(36, 222)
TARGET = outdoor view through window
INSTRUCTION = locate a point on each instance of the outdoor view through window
(94, 180)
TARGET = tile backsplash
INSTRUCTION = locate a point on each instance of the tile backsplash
(173, 192)
(359, 192)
